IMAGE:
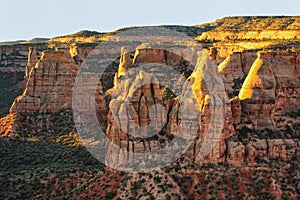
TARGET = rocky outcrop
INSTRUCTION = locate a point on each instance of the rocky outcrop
(13, 57)
(257, 149)
(260, 82)
(49, 85)
(247, 116)
(140, 117)
(260, 150)
(32, 60)
(282, 148)
(234, 70)
(271, 89)
(16, 56)
(259, 91)
(263, 91)
(234, 113)
(13, 62)
(236, 153)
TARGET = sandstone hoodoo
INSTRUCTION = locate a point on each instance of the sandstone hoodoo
(49, 85)
(13, 60)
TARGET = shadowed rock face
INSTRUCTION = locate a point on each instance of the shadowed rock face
(13, 62)
(13, 57)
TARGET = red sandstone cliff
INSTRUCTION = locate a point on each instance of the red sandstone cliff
(261, 97)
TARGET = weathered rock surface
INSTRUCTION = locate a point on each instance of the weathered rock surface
(245, 141)
(13, 62)
(257, 91)
(137, 110)
(236, 153)
(260, 150)
(237, 73)
(16, 56)
(32, 60)
(49, 86)
(271, 89)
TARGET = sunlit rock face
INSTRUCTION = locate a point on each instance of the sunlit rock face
(49, 85)
(140, 104)
(47, 98)
(144, 115)
(271, 89)
(265, 86)
(140, 118)
(264, 93)
(215, 127)
(32, 60)
(250, 89)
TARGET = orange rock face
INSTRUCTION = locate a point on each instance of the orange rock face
(260, 89)
(271, 89)
(49, 85)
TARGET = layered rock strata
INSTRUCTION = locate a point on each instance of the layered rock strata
(261, 95)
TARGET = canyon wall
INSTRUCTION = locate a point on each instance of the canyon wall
(49, 85)
(13, 62)
(263, 94)
(259, 93)
(13, 57)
